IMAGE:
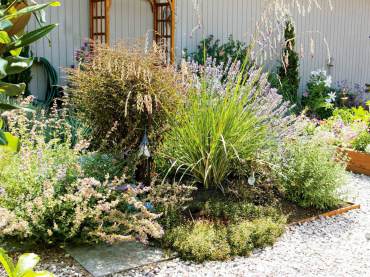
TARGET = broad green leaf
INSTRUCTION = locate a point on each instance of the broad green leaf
(3, 66)
(31, 37)
(12, 89)
(39, 274)
(8, 107)
(1, 123)
(30, 9)
(7, 263)
(12, 144)
(4, 37)
(26, 262)
(16, 52)
(18, 64)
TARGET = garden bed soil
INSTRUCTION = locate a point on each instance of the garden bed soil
(359, 162)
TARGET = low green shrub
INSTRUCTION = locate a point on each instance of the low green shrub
(266, 231)
(199, 241)
(240, 236)
(234, 211)
(319, 98)
(353, 114)
(311, 174)
(204, 240)
(46, 197)
(362, 142)
(229, 52)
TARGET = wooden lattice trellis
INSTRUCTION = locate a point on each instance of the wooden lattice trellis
(163, 23)
(100, 20)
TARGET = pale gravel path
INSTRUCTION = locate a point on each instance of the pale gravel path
(332, 247)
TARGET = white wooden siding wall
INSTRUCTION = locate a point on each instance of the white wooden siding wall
(72, 18)
(130, 20)
(346, 29)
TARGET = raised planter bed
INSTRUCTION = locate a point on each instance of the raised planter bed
(359, 162)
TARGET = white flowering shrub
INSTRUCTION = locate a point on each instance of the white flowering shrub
(319, 97)
(45, 195)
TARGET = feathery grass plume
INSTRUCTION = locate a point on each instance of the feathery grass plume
(269, 34)
(127, 87)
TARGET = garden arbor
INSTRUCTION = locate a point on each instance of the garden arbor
(163, 22)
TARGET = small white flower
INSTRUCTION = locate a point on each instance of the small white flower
(314, 73)
(332, 96)
(328, 81)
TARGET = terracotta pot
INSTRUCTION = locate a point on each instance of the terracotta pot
(20, 23)
(359, 162)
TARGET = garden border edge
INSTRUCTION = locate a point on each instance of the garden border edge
(340, 211)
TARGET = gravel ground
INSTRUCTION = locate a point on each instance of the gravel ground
(332, 247)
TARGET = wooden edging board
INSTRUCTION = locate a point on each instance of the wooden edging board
(350, 207)
(359, 162)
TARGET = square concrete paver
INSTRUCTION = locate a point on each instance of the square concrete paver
(101, 260)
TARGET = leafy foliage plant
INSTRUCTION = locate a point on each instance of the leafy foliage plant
(12, 42)
(24, 267)
(61, 203)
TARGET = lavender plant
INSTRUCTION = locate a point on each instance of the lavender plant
(222, 127)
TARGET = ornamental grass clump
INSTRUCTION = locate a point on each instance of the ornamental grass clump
(215, 133)
(125, 94)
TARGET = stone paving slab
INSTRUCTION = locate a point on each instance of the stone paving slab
(102, 260)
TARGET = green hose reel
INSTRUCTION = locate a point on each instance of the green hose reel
(52, 80)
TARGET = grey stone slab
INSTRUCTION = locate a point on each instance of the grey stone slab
(101, 260)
